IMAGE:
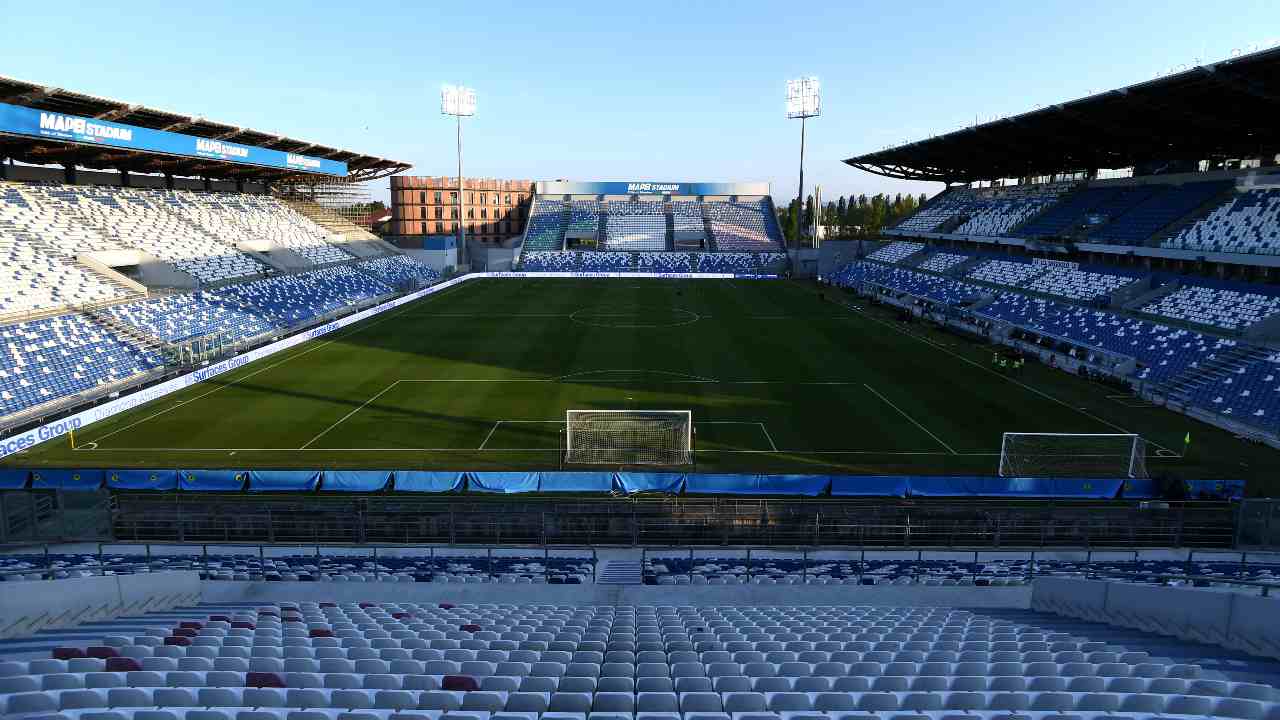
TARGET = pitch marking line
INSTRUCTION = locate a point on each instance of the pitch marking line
(1019, 383)
(910, 419)
(343, 419)
(359, 327)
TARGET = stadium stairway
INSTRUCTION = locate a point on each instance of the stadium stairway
(710, 232)
(620, 572)
(1227, 362)
(145, 340)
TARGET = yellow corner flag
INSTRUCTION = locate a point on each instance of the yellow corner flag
(72, 434)
(1187, 439)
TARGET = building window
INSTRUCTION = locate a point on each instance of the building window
(439, 212)
(453, 197)
(422, 198)
(453, 213)
(471, 213)
(439, 227)
(484, 213)
(508, 198)
(437, 197)
(471, 198)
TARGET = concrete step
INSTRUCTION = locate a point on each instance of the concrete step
(620, 572)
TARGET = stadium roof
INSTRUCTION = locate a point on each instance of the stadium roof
(50, 151)
(1225, 110)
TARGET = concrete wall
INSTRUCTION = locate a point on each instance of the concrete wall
(437, 260)
(739, 595)
(30, 606)
(1239, 620)
(836, 254)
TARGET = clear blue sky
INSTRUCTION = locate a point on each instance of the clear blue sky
(618, 91)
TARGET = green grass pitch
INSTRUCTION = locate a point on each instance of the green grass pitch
(478, 377)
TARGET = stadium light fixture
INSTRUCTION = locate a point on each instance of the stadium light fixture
(804, 100)
(459, 102)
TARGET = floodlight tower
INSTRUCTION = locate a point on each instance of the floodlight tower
(804, 100)
(459, 102)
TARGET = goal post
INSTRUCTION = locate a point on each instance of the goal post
(629, 437)
(1095, 455)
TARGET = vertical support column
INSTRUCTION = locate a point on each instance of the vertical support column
(69, 174)
(208, 184)
(168, 181)
(462, 214)
(126, 180)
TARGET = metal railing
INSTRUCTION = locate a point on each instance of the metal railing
(201, 562)
(673, 521)
(1028, 556)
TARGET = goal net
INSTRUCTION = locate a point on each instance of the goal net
(1073, 455)
(629, 437)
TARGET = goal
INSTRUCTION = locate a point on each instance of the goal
(1073, 455)
(629, 437)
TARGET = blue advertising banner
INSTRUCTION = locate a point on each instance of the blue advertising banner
(18, 120)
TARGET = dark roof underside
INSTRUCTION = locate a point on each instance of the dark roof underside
(1227, 110)
(47, 152)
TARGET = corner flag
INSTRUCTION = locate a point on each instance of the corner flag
(1187, 439)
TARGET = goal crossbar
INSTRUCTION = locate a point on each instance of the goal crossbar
(629, 437)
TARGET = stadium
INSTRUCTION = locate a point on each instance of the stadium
(1013, 456)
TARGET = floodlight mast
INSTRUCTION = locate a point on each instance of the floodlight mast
(459, 101)
(804, 100)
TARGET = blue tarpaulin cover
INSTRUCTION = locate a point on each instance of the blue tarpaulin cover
(651, 482)
(66, 479)
(213, 480)
(356, 480)
(732, 484)
(142, 479)
(284, 480)
(1140, 489)
(601, 482)
(1215, 489)
(423, 481)
(13, 479)
(869, 485)
(986, 486)
(503, 482)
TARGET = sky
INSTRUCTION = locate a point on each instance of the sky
(659, 91)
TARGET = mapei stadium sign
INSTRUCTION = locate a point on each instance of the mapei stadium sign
(30, 122)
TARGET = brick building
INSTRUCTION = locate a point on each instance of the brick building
(426, 206)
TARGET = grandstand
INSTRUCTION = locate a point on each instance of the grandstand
(1160, 281)
(690, 221)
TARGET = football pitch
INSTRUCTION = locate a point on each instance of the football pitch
(778, 379)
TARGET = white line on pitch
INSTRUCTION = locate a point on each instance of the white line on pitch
(984, 368)
(492, 430)
(358, 327)
(768, 436)
(909, 418)
(353, 412)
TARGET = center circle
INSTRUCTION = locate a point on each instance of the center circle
(635, 317)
